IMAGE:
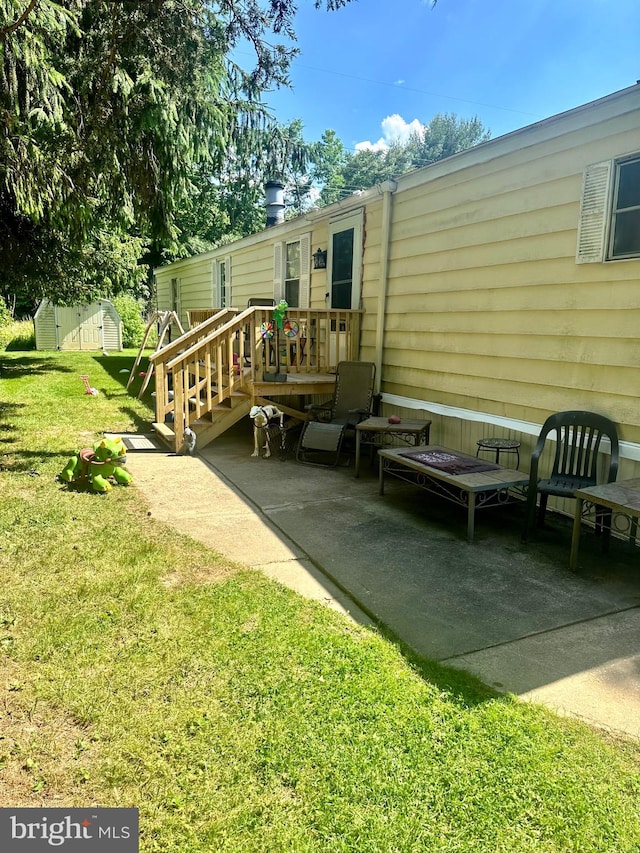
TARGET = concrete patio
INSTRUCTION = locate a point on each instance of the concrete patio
(512, 614)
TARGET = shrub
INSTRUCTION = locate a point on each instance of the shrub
(133, 326)
(17, 336)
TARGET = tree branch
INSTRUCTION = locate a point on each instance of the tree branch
(23, 17)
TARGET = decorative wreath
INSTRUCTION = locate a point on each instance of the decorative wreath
(290, 328)
(266, 330)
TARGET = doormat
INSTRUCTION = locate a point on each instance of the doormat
(450, 463)
(136, 442)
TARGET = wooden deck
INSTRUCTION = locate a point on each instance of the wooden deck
(210, 377)
(297, 384)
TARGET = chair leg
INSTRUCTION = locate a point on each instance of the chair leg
(530, 512)
(300, 445)
(542, 509)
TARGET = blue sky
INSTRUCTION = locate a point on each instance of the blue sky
(508, 62)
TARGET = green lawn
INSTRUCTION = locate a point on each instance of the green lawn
(235, 715)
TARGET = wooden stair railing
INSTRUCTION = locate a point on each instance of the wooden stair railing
(188, 338)
(214, 366)
(206, 371)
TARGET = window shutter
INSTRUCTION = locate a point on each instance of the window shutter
(305, 266)
(594, 213)
(227, 282)
(278, 280)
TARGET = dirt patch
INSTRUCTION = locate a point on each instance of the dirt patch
(45, 758)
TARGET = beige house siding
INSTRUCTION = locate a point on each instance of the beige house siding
(251, 274)
(485, 294)
(251, 270)
(319, 285)
(195, 276)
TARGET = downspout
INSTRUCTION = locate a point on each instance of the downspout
(388, 188)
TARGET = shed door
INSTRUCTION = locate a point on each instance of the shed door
(80, 327)
(68, 320)
(91, 327)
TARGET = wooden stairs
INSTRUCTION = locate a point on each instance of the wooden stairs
(208, 426)
(211, 376)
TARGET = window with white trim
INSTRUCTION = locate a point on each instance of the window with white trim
(624, 241)
(291, 276)
(609, 225)
(222, 283)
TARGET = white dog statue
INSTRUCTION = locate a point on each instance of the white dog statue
(261, 415)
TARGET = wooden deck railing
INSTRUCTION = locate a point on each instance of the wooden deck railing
(199, 316)
(230, 351)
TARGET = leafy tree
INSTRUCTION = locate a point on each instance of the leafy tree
(111, 112)
(289, 159)
(366, 168)
(5, 314)
(329, 160)
(443, 136)
(130, 311)
(225, 206)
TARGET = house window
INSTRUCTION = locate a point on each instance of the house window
(291, 268)
(292, 275)
(625, 221)
(609, 223)
(222, 284)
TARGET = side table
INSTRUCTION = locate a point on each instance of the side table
(378, 432)
(498, 446)
(619, 499)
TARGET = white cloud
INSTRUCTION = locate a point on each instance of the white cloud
(394, 129)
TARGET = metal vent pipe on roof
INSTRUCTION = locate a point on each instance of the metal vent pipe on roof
(274, 195)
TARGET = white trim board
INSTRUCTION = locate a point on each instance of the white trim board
(628, 449)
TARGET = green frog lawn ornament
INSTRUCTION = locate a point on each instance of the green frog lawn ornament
(99, 465)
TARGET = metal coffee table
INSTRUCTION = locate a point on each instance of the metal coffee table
(474, 490)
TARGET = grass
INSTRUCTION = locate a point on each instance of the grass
(236, 715)
(18, 335)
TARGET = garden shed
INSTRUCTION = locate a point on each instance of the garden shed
(96, 326)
